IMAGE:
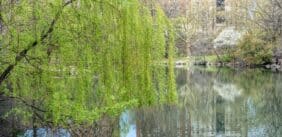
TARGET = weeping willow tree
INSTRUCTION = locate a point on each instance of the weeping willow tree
(78, 60)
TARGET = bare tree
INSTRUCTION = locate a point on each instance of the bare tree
(270, 18)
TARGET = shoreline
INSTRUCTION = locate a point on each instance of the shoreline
(268, 66)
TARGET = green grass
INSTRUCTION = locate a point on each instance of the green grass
(214, 58)
(211, 58)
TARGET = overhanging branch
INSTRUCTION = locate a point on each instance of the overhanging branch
(33, 44)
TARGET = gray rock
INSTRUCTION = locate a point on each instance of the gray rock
(279, 61)
(275, 67)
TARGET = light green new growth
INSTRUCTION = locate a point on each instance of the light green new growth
(102, 57)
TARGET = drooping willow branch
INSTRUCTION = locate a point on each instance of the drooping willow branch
(21, 55)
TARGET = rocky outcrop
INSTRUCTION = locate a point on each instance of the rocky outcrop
(276, 65)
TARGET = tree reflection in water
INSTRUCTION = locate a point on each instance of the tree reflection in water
(216, 102)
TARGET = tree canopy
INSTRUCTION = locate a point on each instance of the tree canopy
(77, 60)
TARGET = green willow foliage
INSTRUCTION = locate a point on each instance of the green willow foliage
(100, 58)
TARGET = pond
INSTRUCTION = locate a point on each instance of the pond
(212, 102)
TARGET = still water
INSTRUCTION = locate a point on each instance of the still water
(214, 103)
